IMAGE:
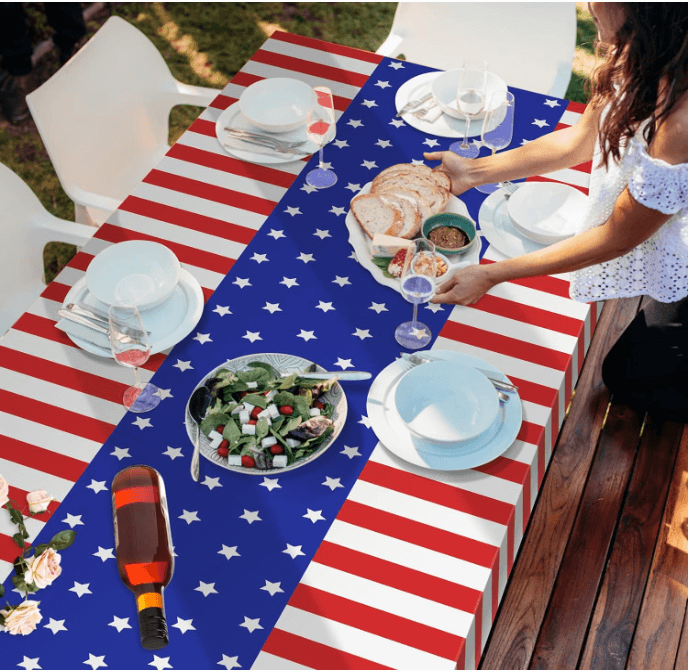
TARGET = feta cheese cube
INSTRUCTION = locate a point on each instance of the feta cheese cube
(252, 385)
(280, 461)
(270, 395)
(248, 429)
(268, 442)
(244, 417)
(274, 412)
(314, 412)
(265, 414)
(237, 409)
(216, 441)
(234, 460)
(248, 407)
(292, 443)
(214, 435)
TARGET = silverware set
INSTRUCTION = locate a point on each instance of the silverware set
(91, 318)
(267, 141)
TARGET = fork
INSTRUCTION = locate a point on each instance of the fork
(242, 134)
(508, 188)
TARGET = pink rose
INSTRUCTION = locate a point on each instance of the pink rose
(4, 491)
(23, 619)
(38, 501)
(44, 569)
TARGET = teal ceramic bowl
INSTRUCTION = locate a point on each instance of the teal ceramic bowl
(455, 222)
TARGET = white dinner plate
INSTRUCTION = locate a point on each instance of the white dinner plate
(395, 437)
(445, 126)
(233, 117)
(168, 323)
(362, 245)
(497, 228)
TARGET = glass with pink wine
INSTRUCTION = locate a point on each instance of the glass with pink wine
(320, 129)
(131, 347)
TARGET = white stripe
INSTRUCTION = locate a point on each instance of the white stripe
(358, 642)
(6, 568)
(267, 661)
(570, 118)
(538, 299)
(570, 176)
(33, 526)
(470, 649)
(26, 478)
(535, 413)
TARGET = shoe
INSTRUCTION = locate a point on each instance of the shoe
(13, 90)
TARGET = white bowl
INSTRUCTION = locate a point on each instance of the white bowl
(277, 105)
(547, 212)
(444, 90)
(446, 402)
(138, 271)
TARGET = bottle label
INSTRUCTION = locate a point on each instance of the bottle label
(137, 495)
(149, 600)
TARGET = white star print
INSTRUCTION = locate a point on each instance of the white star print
(258, 258)
(142, 423)
(382, 85)
(163, 394)
(270, 483)
(313, 516)
(277, 234)
(97, 486)
(211, 482)
(253, 336)
(229, 662)
(229, 552)
(251, 624)
(206, 588)
(306, 335)
(344, 363)
(354, 123)
(396, 123)
(341, 281)
(434, 307)
(293, 551)
(418, 333)
(184, 624)
(365, 422)
(551, 103)
(72, 520)
(202, 338)
(354, 188)
(105, 553)
(30, 664)
(173, 453)
(182, 366)
(120, 623)
(337, 211)
(250, 516)
(419, 162)
(272, 307)
(242, 282)
(272, 588)
(161, 663)
(378, 307)
(189, 517)
(540, 123)
(306, 258)
(525, 142)
(351, 451)
(289, 282)
(397, 65)
(95, 661)
(325, 307)
(430, 142)
(362, 334)
(322, 233)
(308, 188)
(81, 589)
(383, 143)
(55, 626)
(369, 164)
(293, 211)
(340, 143)
(370, 103)
(332, 483)
(222, 310)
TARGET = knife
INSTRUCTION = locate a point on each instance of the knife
(90, 314)
(340, 375)
(414, 104)
(417, 359)
(85, 321)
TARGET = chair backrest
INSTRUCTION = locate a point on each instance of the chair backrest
(105, 110)
(26, 227)
(530, 45)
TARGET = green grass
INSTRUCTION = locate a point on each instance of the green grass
(206, 43)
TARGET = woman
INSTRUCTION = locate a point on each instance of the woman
(634, 240)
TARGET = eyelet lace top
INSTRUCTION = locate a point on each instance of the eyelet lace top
(658, 266)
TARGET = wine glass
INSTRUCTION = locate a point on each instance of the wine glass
(320, 129)
(498, 126)
(471, 97)
(131, 347)
(417, 283)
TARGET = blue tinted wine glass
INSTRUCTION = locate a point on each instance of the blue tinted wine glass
(498, 127)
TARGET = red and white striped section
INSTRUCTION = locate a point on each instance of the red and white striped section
(58, 404)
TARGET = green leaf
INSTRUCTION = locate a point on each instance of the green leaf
(2, 594)
(281, 440)
(40, 549)
(231, 431)
(328, 410)
(301, 407)
(284, 399)
(15, 514)
(267, 367)
(256, 400)
(20, 584)
(287, 382)
(19, 540)
(262, 427)
(62, 540)
(291, 424)
(2, 618)
(209, 423)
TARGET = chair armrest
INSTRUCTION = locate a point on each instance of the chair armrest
(390, 46)
(186, 94)
(64, 231)
(90, 200)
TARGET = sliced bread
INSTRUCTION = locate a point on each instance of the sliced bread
(411, 215)
(376, 216)
(442, 179)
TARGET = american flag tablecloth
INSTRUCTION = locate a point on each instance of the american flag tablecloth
(357, 560)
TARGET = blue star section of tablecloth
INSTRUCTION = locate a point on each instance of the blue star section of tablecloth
(242, 542)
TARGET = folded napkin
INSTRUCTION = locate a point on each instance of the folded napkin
(433, 114)
(84, 333)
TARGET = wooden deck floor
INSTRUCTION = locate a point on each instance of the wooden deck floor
(601, 577)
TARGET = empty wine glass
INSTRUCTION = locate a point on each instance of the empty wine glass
(417, 283)
(320, 129)
(471, 97)
(131, 347)
(498, 126)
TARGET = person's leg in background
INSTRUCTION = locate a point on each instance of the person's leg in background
(67, 19)
(16, 50)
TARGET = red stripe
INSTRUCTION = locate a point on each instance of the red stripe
(41, 459)
(222, 102)
(573, 106)
(18, 496)
(210, 192)
(203, 127)
(55, 417)
(377, 622)
(8, 550)
(442, 494)
(543, 283)
(313, 654)
(309, 68)
(56, 291)
(188, 220)
(419, 534)
(396, 576)
(185, 253)
(329, 47)
(530, 433)
(534, 392)
(506, 345)
(539, 178)
(229, 164)
(584, 167)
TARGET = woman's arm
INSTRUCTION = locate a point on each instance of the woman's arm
(560, 149)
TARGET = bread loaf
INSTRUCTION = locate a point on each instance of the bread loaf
(376, 216)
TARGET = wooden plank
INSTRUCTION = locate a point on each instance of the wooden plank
(524, 603)
(584, 561)
(619, 601)
(682, 660)
(659, 628)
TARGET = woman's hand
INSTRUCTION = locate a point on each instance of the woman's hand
(465, 287)
(455, 167)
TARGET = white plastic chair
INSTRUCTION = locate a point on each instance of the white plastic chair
(104, 115)
(26, 229)
(530, 45)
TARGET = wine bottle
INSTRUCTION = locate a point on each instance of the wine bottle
(143, 546)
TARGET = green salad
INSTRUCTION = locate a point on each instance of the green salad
(259, 419)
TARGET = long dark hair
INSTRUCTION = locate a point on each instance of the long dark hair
(648, 51)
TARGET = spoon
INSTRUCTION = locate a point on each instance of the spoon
(198, 405)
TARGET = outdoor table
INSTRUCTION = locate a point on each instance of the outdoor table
(356, 560)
